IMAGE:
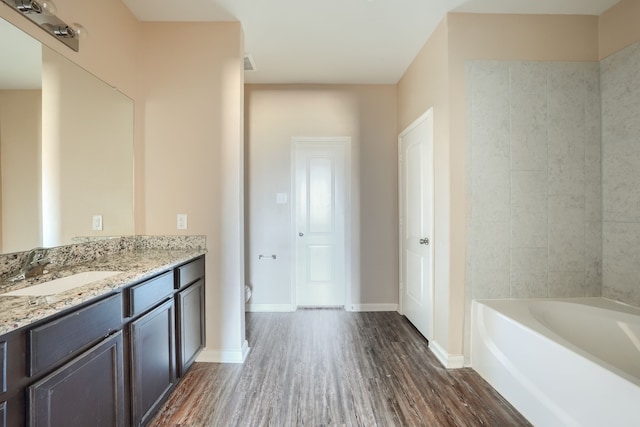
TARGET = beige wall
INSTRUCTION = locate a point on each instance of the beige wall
(87, 161)
(20, 169)
(190, 137)
(367, 114)
(193, 94)
(619, 27)
(424, 85)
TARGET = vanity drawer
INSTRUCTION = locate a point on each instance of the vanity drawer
(190, 272)
(3, 367)
(63, 337)
(147, 294)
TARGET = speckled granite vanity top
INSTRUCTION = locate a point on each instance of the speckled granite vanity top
(136, 264)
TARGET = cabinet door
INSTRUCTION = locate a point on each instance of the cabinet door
(87, 391)
(190, 324)
(153, 360)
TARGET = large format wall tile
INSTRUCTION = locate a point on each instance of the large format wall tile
(620, 93)
(529, 219)
(490, 134)
(593, 146)
(534, 179)
(621, 261)
(566, 129)
(593, 259)
(528, 115)
(566, 233)
(529, 272)
(566, 284)
(490, 284)
(491, 247)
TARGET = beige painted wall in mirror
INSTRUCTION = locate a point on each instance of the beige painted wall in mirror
(87, 154)
(20, 138)
(110, 53)
(66, 146)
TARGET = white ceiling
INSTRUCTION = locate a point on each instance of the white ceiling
(307, 41)
(340, 41)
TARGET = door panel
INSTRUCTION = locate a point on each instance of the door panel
(321, 195)
(416, 223)
(319, 223)
(415, 277)
(320, 262)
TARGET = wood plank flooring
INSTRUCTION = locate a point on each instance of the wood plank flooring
(331, 367)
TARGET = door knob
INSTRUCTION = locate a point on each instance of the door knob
(424, 241)
(300, 234)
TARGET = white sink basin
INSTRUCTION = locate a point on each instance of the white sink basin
(63, 284)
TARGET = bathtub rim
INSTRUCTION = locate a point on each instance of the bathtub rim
(543, 332)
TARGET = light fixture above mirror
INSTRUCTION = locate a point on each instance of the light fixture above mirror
(43, 14)
(32, 6)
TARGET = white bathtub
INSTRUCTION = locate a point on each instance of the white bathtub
(561, 362)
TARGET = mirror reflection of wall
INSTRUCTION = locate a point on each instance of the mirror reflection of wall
(66, 149)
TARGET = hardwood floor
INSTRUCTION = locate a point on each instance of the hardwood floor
(331, 367)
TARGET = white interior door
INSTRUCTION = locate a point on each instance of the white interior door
(319, 229)
(416, 223)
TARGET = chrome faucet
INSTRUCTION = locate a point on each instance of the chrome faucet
(33, 265)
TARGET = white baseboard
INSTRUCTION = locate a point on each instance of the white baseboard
(371, 307)
(449, 361)
(224, 356)
(283, 308)
(269, 308)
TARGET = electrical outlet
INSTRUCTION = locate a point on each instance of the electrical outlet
(281, 198)
(97, 222)
(181, 221)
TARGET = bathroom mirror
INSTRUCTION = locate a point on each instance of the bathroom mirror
(66, 149)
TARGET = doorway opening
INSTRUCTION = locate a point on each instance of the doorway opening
(320, 221)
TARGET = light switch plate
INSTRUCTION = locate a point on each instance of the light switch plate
(97, 222)
(181, 221)
(281, 198)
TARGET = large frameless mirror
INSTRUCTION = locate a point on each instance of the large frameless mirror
(66, 149)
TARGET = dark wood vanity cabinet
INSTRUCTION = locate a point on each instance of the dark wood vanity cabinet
(153, 367)
(109, 362)
(76, 356)
(152, 340)
(190, 312)
(88, 391)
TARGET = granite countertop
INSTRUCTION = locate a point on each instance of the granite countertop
(19, 311)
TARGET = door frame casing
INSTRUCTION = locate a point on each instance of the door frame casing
(401, 194)
(345, 141)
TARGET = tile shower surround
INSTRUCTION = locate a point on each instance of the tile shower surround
(620, 89)
(554, 178)
(535, 219)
